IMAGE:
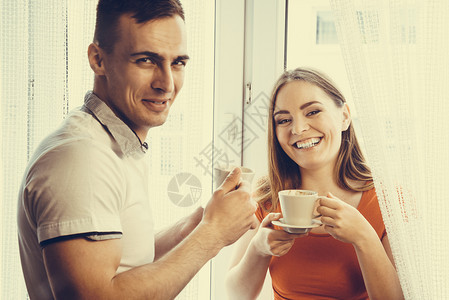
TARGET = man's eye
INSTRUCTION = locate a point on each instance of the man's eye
(179, 63)
(145, 60)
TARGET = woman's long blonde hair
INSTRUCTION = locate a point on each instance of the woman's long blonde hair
(282, 171)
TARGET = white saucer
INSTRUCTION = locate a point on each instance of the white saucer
(296, 228)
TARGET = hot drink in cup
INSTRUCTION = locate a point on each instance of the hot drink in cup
(297, 206)
(220, 175)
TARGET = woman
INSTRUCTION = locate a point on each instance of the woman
(312, 146)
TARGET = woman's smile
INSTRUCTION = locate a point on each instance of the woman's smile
(307, 144)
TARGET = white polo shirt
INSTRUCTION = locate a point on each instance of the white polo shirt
(88, 178)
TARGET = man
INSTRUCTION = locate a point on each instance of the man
(85, 225)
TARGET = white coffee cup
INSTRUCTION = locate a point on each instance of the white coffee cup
(298, 206)
(220, 175)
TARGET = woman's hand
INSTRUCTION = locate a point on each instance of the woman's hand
(269, 241)
(343, 221)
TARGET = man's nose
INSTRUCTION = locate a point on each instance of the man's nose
(163, 79)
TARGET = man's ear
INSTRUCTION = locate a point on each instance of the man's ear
(346, 118)
(95, 55)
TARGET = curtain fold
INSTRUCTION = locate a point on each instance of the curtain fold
(396, 57)
(44, 73)
(39, 84)
(14, 86)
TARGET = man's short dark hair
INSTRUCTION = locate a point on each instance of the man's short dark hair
(110, 11)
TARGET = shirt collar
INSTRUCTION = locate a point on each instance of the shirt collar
(126, 138)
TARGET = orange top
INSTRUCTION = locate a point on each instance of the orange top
(321, 267)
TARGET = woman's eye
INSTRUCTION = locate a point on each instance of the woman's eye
(314, 112)
(282, 121)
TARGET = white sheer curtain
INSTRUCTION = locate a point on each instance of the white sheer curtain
(397, 57)
(44, 74)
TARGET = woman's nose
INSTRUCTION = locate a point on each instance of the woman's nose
(299, 126)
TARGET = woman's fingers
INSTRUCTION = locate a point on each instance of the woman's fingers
(266, 222)
(330, 209)
(327, 221)
(327, 211)
(282, 236)
(329, 202)
(269, 241)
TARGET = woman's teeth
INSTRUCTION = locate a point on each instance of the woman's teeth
(307, 144)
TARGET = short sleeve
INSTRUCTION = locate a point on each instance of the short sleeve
(75, 188)
(260, 214)
(369, 208)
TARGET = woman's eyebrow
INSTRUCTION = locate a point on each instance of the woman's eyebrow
(305, 105)
(280, 112)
